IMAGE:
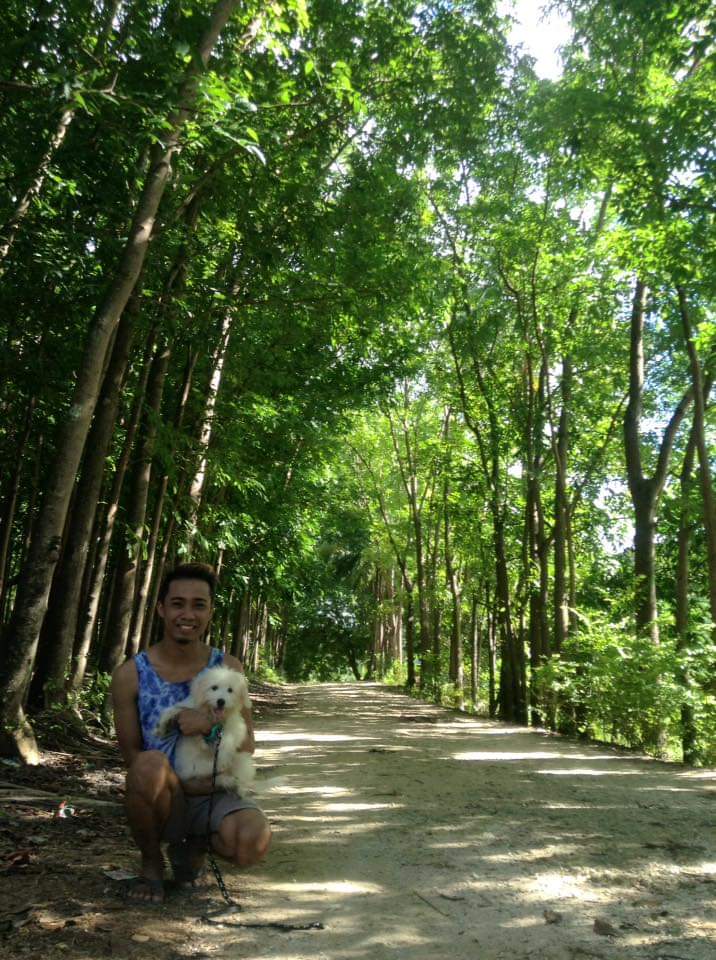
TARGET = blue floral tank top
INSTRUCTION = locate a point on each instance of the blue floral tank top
(155, 695)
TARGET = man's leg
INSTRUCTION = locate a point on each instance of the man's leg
(151, 787)
(243, 837)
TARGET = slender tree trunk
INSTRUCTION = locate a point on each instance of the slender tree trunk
(396, 620)
(699, 428)
(63, 611)
(105, 529)
(456, 665)
(409, 633)
(10, 502)
(645, 491)
(16, 736)
(144, 592)
(174, 283)
(492, 650)
(10, 229)
(240, 626)
(130, 556)
(475, 648)
(561, 508)
(686, 527)
(197, 487)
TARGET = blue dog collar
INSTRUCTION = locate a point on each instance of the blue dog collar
(213, 734)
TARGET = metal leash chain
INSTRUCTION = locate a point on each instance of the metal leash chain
(230, 902)
(212, 860)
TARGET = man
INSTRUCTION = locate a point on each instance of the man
(159, 808)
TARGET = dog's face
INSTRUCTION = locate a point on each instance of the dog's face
(223, 690)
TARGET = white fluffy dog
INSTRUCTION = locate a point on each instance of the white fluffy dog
(225, 692)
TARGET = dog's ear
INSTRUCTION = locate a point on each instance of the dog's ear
(245, 699)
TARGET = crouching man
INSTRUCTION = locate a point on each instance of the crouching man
(159, 808)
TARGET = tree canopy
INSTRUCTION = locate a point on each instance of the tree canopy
(415, 346)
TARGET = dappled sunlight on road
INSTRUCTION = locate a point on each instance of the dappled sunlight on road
(344, 887)
(416, 834)
(271, 737)
(588, 772)
(524, 755)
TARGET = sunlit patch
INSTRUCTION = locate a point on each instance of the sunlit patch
(356, 807)
(337, 830)
(661, 788)
(556, 886)
(500, 755)
(589, 772)
(318, 791)
(517, 923)
(530, 755)
(333, 886)
(268, 736)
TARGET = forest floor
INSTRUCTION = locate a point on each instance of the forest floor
(407, 831)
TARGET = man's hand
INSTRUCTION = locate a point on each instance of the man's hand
(191, 722)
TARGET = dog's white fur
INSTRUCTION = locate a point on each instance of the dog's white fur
(225, 692)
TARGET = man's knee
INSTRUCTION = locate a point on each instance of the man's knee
(252, 847)
(149, 774)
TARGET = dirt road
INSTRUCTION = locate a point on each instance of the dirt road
(413, 833)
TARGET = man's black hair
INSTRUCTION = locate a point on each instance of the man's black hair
(189, 571)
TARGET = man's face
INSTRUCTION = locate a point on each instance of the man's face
(186, 610)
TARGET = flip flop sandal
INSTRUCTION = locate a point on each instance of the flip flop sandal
(144, 891)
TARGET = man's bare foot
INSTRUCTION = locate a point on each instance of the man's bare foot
(149, 886)
(144, 890)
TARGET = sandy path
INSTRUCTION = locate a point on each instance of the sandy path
(415, 833)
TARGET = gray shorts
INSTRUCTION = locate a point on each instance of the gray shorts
(189, 815)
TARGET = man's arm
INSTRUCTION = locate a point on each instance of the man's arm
(249, 744)
(125, 690)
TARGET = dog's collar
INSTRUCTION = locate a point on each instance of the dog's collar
(213, 734)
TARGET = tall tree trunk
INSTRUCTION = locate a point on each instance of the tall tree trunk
(63, 611)
(456, 665)
(561, 507)
(87, 623)
(151, 616)
(16, 736)
(408, 474)
(130, 555)
(10, 502)
(512, 699)
(144, 592)
(699, 428)
(197, 486)
(645, 491)
(686, 527)
(409, 634)
(10, 230)
(475, 638)
(492, 651)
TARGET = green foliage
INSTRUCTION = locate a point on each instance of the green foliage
(267, 674)
(408, 239)
(612, 685)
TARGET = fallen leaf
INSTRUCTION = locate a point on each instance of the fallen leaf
(604, 928)
(120, 874)
(551, 916)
